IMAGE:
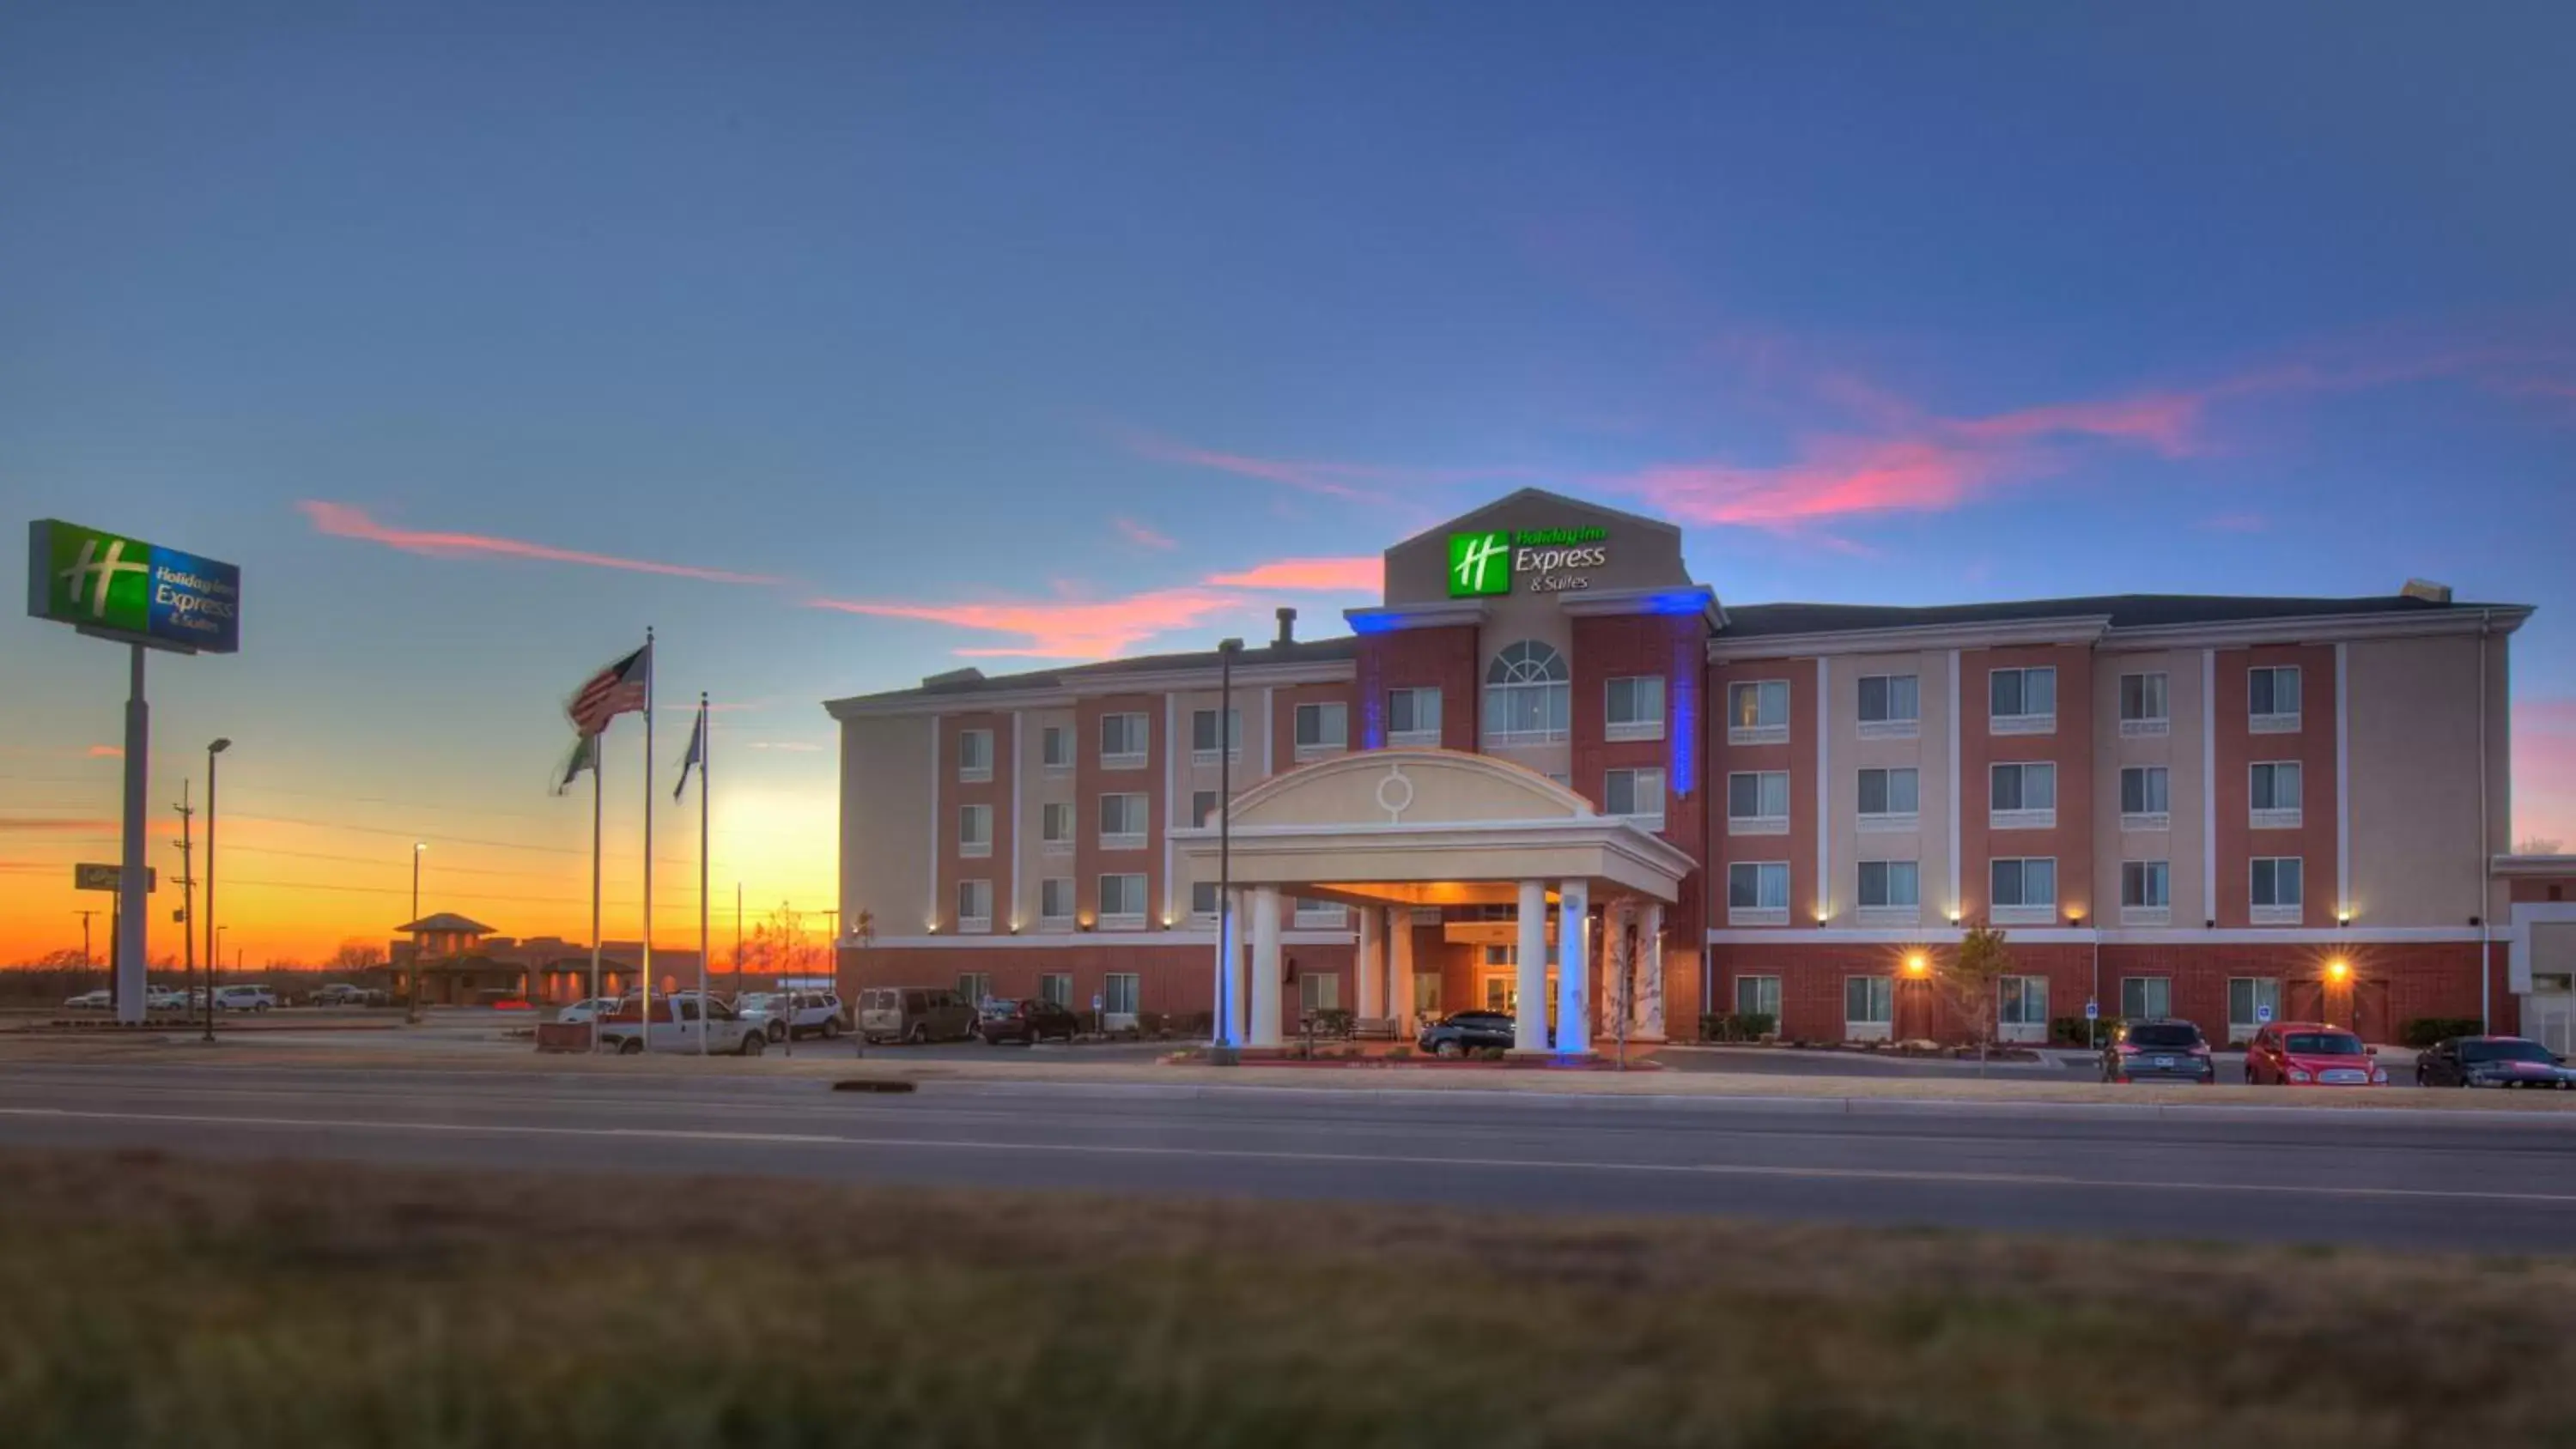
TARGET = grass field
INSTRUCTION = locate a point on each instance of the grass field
(152, 1302)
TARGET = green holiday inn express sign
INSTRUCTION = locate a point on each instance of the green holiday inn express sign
(1549, 560)
(125, 588)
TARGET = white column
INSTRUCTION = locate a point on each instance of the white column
(1399, 966)
(1649, 1022)
(1265, 967)
(1369, 966)
(1237, 1010)
(1529, 1027)
(1573, 969)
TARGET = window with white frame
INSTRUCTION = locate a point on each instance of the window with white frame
(2025, 889)
(974, 755)
(1869, 1005)
(1122, 902)
(1118, 994)
(2251, 1002)
(2022, 701)
(1207, 746)
(974, 905)
(1202, 807)
(1757, 712)
(1318, 991)
(1889, 799)
(1636, 795)
(1055, 902)
(2275, 795)
(2278, 890)
(2145, 798)
(2142, 705)
(1894, 886)
(2146, 997)
(975, 987)
(1055, 988)
(974, 831)
(1758, 996)
(1055, 827)
(1526, 699)
(2021, 1008)
(1124, 741)
(2023, 796)
(1891, 706)
(1413, 716)
(1635, 708)
(1204, 899)
(1757, 802)
(2272, 699)
(1757, 893)
(1320, 915)
(1055, 747)
(1323, 729)
(2146, 892)
(1122, 822)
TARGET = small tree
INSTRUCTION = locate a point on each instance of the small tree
(1969, 980)
(354, 955)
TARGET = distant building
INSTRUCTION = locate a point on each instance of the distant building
(462, 963)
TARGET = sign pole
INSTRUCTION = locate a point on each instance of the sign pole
(132, 902)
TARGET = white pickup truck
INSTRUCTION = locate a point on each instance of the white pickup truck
(681, 1024)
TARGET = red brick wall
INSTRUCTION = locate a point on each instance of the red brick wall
(1283, 719)
(1091, 782)
(1443, 658)
(954, 793)
(2238, 748)
(1672, 646)
(2070, 749)
(1798, 757)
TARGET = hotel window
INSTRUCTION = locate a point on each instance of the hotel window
(1758, 996)
(2022, 701)
(1318, 991)
(2145, 802)
(2275, 795)
(1122, 822)
(2146, 892)
(2146, 997)
(974, 905)
(1889, 798)
(1525, 695)
(975, 987)
(1118, 993)
(2142, 705)
(1322, 729)
(1055, 747)
(2021, 1008)
(1757, 712)
(2025, 890)
(2023, 796)
(1635, 708)
(1203, 736)
(1757, 893)
(1202, 807)
(1055, 828)
(1413, 716)
(1891, 885)
(1891, 706)
(1319, 915)
(2250, 1001)
(1204, 899)
(2272, 700)
(1757, 802)
(974, 755)
(1055, 988)
(1055, 903)
(1122, 902)
(1869, 1006)
(974, 831)
(1123, 740)
(2277, 894)
(1634, 795)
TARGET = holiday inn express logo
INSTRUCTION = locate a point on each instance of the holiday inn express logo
(1555, 560)
(1480, 564)
(115, 585)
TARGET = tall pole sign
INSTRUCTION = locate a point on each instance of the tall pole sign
(122, 589)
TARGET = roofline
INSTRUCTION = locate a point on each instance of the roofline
(1897, 639)
(1517, 494)
(1065, 692)
(2393, 623)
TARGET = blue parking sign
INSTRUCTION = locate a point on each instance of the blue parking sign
(2092, 1011)
(2263, 1016)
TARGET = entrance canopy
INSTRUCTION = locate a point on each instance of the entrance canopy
(1429, 828)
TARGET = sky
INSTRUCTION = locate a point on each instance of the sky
(844, 344)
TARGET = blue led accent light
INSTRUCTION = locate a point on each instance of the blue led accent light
(1681, 768)
(1377, 623)
(1685, 601)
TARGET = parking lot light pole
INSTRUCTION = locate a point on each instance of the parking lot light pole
(1221, 1025)
(411, 1017)
(214, 955)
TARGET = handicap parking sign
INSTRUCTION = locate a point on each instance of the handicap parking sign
(1095, 1001)
(2263, 1015)
(2092, 1011)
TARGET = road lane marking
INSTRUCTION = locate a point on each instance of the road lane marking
(1686, 1169)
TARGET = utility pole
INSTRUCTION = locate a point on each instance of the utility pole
(187, 883)
(86, 962)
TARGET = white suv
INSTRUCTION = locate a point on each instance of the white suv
(814, 1013)
(243, 998)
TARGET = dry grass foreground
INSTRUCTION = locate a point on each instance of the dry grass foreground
(155, 1302)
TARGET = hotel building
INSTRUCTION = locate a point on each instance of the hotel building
(1551, 767)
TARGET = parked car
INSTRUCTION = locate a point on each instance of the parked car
(914, 1014)
(2157, 1049)
(810, 1013)
(1462, 1032)
(90, 1001)
(587, 1010)
(244, 998)
(2310, 1054)
(166, 998)
(2492, 1061)
(679, 1024)
(340, 993)
(1026, 1022)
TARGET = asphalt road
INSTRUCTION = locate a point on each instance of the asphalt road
(2425, 1181)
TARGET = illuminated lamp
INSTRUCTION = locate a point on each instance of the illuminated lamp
(2338, 969)
(1917, 964)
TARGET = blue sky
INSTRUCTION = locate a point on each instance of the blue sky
(1046, 317)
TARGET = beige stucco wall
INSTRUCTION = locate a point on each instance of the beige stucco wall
(1445, 788)
(886, 848)
(2416, 859)
(2183, 847)
(1928, 754)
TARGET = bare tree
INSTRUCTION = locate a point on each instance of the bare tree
(1969, 980)
(355, 954)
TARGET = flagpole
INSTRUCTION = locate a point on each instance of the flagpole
(598, 794)
(703, 755)
(646, 1028)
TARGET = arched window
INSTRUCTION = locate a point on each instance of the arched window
(1526, 694)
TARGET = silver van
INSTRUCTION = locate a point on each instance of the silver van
(914, 1014)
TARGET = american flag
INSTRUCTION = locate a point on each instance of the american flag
(613, 691)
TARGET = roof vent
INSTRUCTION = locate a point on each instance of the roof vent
(1287, 626)
(2427, 590)
(968, 675)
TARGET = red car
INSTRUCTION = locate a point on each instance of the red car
(2310, 1054)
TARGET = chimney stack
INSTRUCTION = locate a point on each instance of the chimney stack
(1287, 626)
(2427, 590)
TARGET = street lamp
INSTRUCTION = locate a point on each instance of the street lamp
(411, 1016)
(1221, 1023)
(214, 954)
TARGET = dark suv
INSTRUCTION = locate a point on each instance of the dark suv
(1456, 1036)
(1026, 1022)
(2157, 1050)
(2492, 1061)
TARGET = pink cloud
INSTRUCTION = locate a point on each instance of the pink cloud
(1143, 537)
(1060, 628)
(1353, 482)
(105, 752)
(2544, 769)
(341, 520)
(1362, 575)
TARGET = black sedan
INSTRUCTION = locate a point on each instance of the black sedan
(1026, 1022)
(1456, 1036)
(2157, 1050)
(2492, 1061)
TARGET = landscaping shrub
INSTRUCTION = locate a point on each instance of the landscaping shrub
(1331, 1021)
(2423, 1031)
(2076, 1031)
(1489, 1054)
(1738, 1026)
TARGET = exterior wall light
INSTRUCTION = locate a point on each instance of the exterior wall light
(2338, 969)
(1917, 964)
(1954, 916)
